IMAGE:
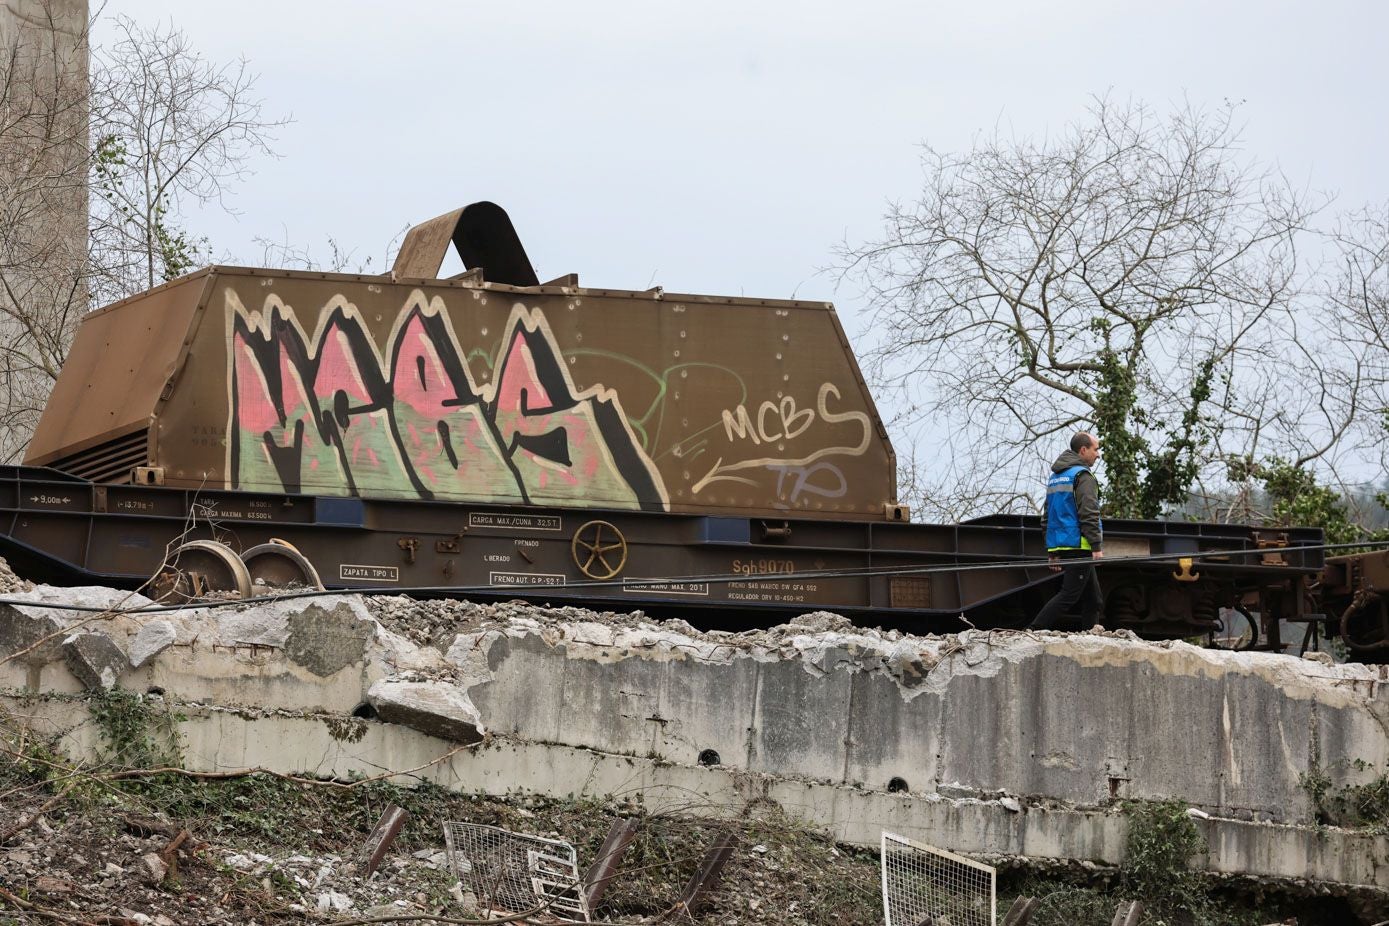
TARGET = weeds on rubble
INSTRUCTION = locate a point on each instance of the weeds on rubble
(28, 762)
(1162, 840)
(1362, 805)
(1062, 903)
(783, 871)
(1156, 868)
(138, 731)
(256, 806)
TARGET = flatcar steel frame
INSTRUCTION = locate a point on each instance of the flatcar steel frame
(1161, 577)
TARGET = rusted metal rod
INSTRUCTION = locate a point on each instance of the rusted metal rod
(707, 875)
(383, 834)
(604, 867)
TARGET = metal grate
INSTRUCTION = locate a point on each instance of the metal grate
(514, 873)
(925, 886)
(108, 462)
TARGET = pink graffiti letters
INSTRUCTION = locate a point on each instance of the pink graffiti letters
(330, 414)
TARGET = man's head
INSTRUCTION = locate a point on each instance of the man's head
(1086, 447)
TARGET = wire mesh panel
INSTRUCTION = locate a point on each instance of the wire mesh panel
(512, 873)
(925, 886)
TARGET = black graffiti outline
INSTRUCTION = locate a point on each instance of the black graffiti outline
(275, 332)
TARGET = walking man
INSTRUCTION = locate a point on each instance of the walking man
(1075, 539)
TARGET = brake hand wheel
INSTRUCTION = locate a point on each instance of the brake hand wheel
(600, 550)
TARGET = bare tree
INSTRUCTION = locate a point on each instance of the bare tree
(1358, 294)
(95, 170)
(170, 130)
(1122, 277)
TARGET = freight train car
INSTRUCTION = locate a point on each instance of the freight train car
(242, 430)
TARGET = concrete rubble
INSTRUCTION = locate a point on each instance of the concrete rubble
(96, 659)
(1020, 744)
(438, 708)
(319, 883)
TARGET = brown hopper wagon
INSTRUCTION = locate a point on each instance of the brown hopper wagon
(239, 430)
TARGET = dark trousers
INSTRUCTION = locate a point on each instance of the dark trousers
(1079, 585)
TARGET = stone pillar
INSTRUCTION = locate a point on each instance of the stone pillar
(44, 91)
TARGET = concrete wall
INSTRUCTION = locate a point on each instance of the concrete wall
(1010, 744)
(1075, 718)
(221, 739)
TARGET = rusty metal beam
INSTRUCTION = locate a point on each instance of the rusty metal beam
(1020, 913)
(604, 867)
(706, 877)
(383, 834)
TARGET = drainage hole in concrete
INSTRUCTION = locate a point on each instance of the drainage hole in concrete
(709, 757)
(897, 786)
(155, 690)
(365, 711)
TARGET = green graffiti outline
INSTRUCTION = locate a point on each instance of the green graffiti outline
(662, 382)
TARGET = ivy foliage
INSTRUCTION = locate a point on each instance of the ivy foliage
(1145, 477)
(137, 731)
(1296, 499)
(1156, 869)
(1357, 805)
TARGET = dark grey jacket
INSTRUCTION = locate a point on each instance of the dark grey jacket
(1087, 493)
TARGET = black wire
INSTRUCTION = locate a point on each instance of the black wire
(710, 579)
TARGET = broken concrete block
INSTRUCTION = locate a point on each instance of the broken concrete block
(151, 640)
(437, 708)
(95, 659)
(20, 630)
(332, 901)
(154, 868)
(258, 626)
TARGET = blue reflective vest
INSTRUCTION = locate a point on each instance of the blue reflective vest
(1063, 516)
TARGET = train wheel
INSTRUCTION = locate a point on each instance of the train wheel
(201, 569)
(1238, 630)
(600, 550)
(276, 566)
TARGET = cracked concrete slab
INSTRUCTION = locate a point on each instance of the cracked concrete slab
(1071, 720)
(1082, 718)
(1323, 860)
(435, 708)
(96, 659)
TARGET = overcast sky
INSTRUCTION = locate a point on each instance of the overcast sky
(728, 147)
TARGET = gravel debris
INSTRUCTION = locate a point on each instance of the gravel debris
(11, 583)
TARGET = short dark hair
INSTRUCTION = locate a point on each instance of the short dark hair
(1082, 440)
